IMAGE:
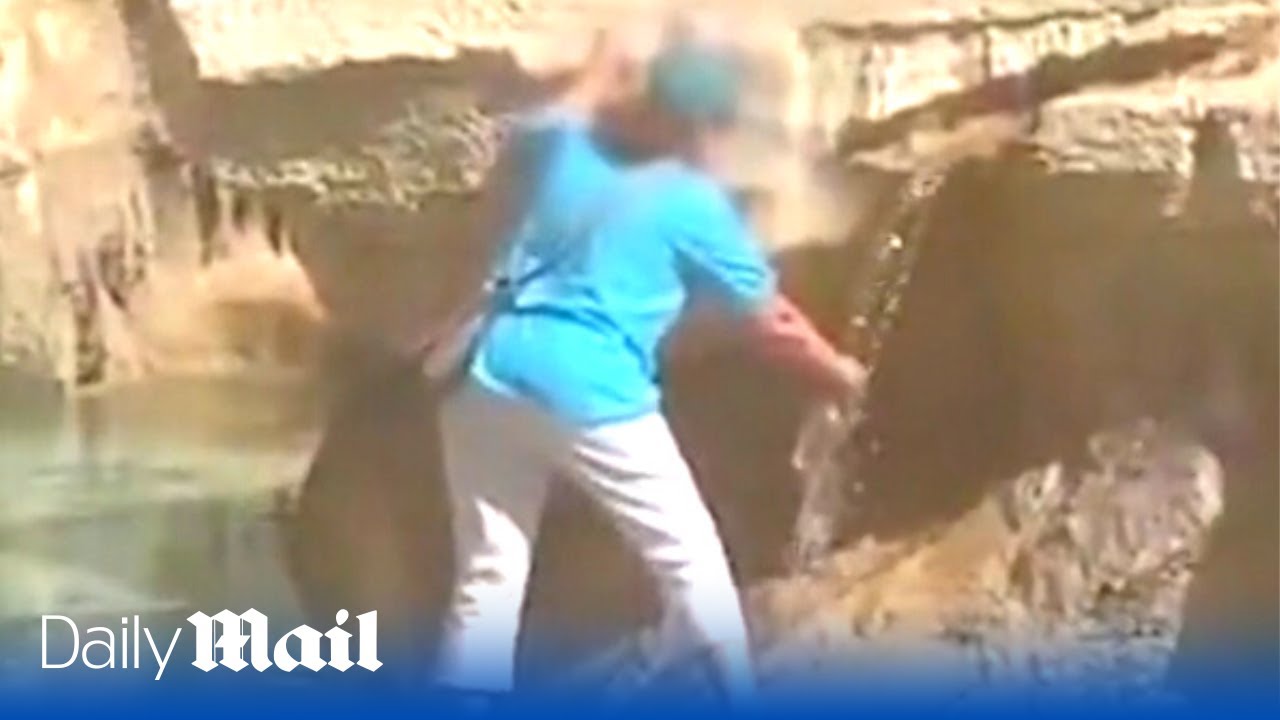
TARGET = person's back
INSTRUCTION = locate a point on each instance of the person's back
(612, 250)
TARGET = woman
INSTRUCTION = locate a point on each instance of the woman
(617, 222)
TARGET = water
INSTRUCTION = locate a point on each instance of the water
(155, 500)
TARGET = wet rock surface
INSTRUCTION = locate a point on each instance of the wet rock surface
(1069, 580)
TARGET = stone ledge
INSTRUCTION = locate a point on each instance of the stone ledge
(1145, 129)
(1152, 130)
(252, 40)
(864, 66)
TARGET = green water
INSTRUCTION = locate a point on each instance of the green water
(154, 499)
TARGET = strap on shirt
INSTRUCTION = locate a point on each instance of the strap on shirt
(506, 285)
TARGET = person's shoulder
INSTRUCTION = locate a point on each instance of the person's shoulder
(699, 195)
(693, 190)
(693, 206)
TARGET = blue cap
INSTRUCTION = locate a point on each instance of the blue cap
(696, 83)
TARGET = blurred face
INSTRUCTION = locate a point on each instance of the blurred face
(640, 128)
(631, 120)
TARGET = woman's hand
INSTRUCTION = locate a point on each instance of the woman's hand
(613, 70)
(785, 334)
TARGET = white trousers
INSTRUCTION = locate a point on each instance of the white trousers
(500, 457)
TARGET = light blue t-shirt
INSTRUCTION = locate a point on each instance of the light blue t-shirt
(612, 251)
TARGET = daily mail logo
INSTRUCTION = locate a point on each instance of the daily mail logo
(234, 641)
